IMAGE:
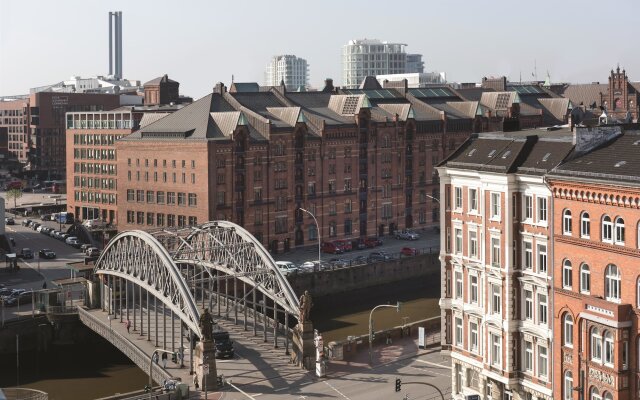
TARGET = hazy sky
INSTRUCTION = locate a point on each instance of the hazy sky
(199, 43)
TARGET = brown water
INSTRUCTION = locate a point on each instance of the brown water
(90, 371)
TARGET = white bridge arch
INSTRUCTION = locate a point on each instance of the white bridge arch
(156, 262)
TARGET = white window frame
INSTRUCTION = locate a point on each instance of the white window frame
(567, 274)
(567, 330)
(607, 229)
(585, 279)
(585, 225)
(567, 223)
(543, 361)
(473, 337)
(473, 243)
(473, 200)
(527, 254)
(496, 299)
(543, 216)
(457, 240)
(542, 258)
(543, 308)
(609, 350)
(527, 211)
(528, 356)
(459, 331)
(459, 285)
(619, 231)
(528, 304)
(596, 345)
(496, 349)
(568, 386)
(457, 198)
(473, 289)
(495, 205)
(495, 251)
(612, 284)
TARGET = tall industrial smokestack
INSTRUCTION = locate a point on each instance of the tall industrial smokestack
(115, 49)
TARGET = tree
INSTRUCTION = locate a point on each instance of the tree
(14, 194)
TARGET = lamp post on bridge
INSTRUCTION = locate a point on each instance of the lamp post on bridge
(158, 350)
(317, 230)
(371, 333)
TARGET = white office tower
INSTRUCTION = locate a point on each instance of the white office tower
(371, 57)
(294, 71)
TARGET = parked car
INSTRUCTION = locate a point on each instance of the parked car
(54, 233)
(94, 223)
(377, 256)
(407, 235)
(409, 251)
(224, 345)
(46, 217)
(73, 241)
(332, 248)
(84, 247)
(286, 267)
(35, 225)
(93, 252)
(359, 260)
(307, 266)
(26, 222)
(345, 245)
(27, 253)
(46, 253)
(340, 262)
(9, 221)
(371, 242)
(63, 236)
(21, 298)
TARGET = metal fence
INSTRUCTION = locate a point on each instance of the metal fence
(22, 394)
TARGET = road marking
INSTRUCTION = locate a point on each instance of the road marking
(281, 389)
(433, 364)
(336, 390)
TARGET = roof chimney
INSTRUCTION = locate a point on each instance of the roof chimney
(328, 85)
(219, 88)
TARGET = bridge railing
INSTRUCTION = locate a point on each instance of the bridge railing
(139, 357)
(23, 394)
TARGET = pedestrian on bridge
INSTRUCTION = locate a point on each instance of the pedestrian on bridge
(154, 357)
(195, 381)
(164, 360)
(127, 325)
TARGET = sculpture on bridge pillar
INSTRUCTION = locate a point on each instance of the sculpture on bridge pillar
(206, 325)
(305, 306)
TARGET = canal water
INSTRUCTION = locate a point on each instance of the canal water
(97, 369)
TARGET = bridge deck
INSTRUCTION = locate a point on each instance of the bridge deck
(257, 365)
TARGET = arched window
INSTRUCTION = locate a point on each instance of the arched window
(608, 396)
(596, 345)
(619, 230)
(585, 279)
(607, 228)
(566, 274)
(566, 222)
(585, 225)
(608, 348)
(568, 386)
(568, 330)
(612, 283)
(594, 394)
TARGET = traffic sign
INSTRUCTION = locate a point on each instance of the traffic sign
(205, 369)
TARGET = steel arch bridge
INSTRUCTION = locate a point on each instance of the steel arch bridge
(181, 267)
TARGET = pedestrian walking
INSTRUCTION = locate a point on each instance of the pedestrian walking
(181, 355)
(127, 325)
(44, 285)
(164, 360)
(154, 358)
(195, 381)
(388, 338)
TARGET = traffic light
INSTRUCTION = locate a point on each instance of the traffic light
(398, 384)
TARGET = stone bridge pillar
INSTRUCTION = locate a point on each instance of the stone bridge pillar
(304, 349)
(205, 354)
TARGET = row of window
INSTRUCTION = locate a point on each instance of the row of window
(92, 197)
(94, 154)
(151, 197)
(612, 231)
(154, 162)
(95, 168)
(95, 139)
(160, 219)
(164, 177)
(541, 210)
(612, 280)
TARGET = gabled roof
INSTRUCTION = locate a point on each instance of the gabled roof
(225, 123)
(499, 101)
(585, 94)
(403, 111)
(556, 109)
(149, 118)
(289, 115)
(370, 82)
(469, 109)
(244, 87)
(161, 79)
(348, 104)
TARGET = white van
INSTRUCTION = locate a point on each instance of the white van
(94, 223)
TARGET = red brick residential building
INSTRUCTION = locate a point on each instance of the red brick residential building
(496, 230)
(596, 276)
(14, 116)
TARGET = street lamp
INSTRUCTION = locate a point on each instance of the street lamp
(397, 307)
(317, 229)
(151, 366)
(204, 377)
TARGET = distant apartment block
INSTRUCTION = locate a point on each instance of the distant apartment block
(414, 79)
(371, 57)
(291, 70)
(414, 64)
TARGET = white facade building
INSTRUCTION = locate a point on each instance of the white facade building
(371, 57)
(415, 80)
(96, 84)
(497, 270)
(294, 71)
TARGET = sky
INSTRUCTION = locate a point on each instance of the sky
(199, 43)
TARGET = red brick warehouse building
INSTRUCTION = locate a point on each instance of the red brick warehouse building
(360, 160)
(596, 216)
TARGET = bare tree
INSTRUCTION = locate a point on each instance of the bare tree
(14, 194)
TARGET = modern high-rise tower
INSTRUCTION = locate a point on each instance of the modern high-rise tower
(371, 57)
(294, 71)
(115, 34)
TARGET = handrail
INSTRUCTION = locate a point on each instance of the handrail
(135, 354)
